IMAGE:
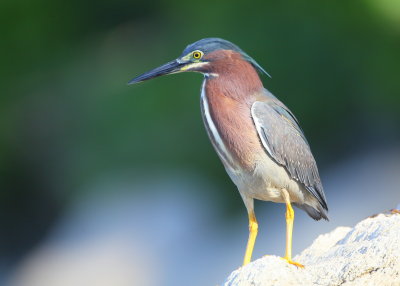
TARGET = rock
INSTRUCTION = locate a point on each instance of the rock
(368, 254)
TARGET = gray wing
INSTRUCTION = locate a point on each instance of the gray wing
(285, 142)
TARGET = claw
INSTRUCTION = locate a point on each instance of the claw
(293, 262)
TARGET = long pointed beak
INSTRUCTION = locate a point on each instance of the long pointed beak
(169, 68)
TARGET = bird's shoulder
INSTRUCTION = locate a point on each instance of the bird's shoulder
(266, 100)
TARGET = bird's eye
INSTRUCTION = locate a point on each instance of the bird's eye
(197, 55)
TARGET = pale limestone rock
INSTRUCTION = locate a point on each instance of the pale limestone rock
(368, 254)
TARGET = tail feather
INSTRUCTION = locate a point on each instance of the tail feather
(315, 213)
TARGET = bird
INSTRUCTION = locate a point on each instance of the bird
(257, 138)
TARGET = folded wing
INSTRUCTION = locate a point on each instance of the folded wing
(285, 142)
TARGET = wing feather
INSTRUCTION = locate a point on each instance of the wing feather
(284, 141)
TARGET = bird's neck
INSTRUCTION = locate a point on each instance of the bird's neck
(236, 79)
(227, 98)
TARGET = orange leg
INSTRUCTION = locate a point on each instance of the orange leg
(289, 231)
(253, 229)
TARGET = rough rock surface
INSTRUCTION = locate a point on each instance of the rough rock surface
(368, 254)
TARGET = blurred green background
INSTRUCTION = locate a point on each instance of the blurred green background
(67, 117)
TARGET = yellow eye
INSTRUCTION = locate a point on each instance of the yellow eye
(197, 55)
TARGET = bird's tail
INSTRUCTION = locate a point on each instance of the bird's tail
(315, 213)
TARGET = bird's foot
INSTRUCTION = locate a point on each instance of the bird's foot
(290, 261)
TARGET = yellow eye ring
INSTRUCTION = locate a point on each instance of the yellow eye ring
(197, 55)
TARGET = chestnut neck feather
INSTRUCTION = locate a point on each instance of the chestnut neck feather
(236, 78)
(230, 95)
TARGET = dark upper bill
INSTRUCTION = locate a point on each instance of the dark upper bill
(169, 68)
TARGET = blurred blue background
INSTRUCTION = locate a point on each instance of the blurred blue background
(108, 184)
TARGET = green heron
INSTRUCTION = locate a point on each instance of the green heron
(257, 138)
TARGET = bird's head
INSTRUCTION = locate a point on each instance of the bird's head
(206, 56)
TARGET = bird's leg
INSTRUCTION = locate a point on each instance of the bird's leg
(289, 230)
(253, 229)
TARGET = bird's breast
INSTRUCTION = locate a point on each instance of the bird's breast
(230, 128)
(213, 134)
